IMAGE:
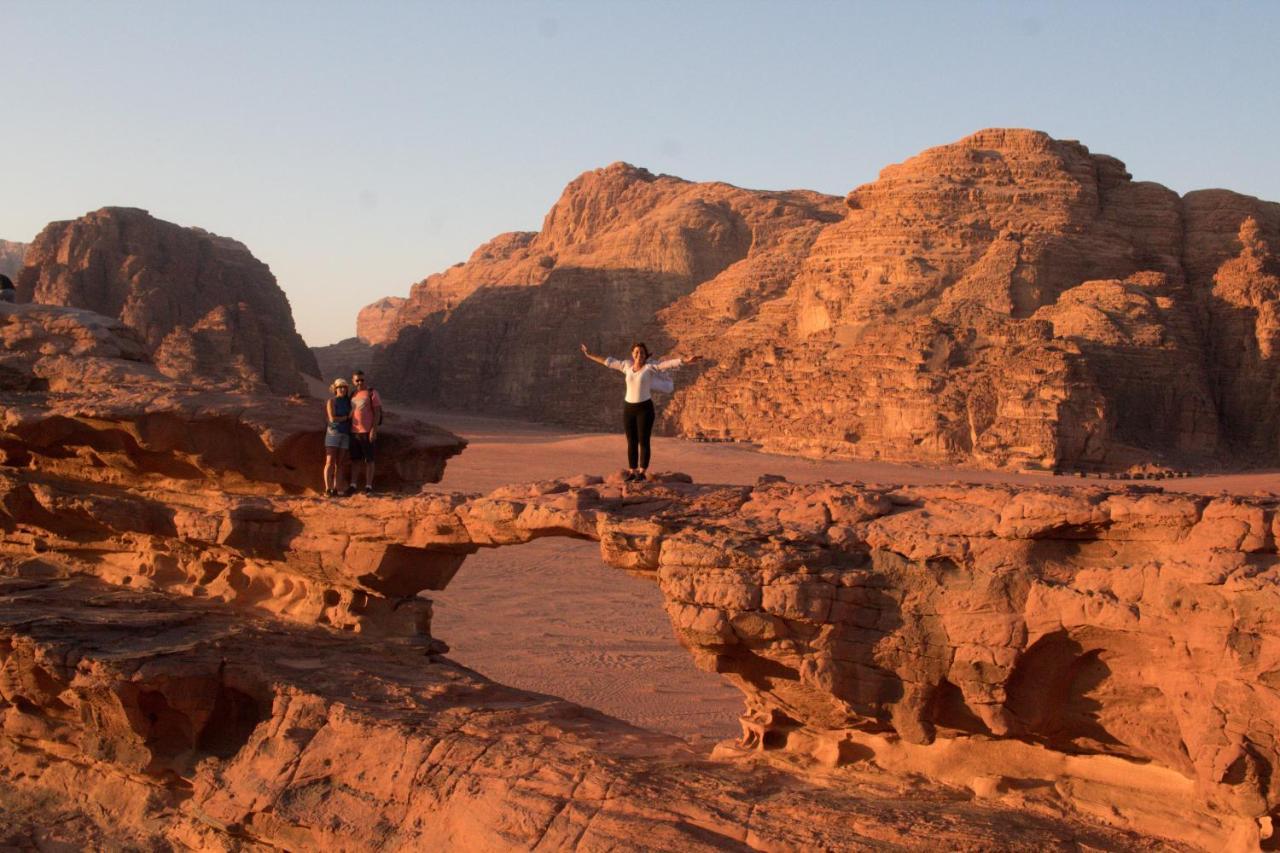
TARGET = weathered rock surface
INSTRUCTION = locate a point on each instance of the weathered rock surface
(204, 306)
(1003, 301)
(375, 324)
(174, 723)
(1039, 661)
(79, 398)
(619, 245)
(341, 358)
(11, 254)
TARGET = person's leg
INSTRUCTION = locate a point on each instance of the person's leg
(357, 462)
(367, 450)
(646, 430)
(631, 426)
(330, 475)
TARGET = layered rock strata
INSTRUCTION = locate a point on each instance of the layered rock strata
(619, 245)
(166, 723)
(81, 399)
(1008, 300)
(203, 304)
(170, 668)
(342, 358)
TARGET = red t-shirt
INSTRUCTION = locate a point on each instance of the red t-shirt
(363, 416)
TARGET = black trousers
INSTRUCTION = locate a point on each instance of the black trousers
(637, 421)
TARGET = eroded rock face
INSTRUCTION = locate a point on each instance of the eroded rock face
(1007, 300)
(375, 324)
(178, 723)
(11, 254)
(190, 654)
(341, 358)
(619, 245)
(205, 307)
(80, 398)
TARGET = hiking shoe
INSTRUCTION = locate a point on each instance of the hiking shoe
(368, 490)
(351, 490)
(330, 493)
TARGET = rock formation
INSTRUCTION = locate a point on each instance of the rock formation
(376, 321)
(343, 357)
(1064, 655)
(204, 306)
(1008, 300)
(373, 326)
(11, 257)
(162, 722)
(618, 246)
(81, 399)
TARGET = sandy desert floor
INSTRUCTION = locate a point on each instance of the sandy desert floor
(550, 616)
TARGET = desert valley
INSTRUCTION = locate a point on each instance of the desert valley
(961, 533)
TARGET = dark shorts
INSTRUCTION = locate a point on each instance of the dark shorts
(361, 447)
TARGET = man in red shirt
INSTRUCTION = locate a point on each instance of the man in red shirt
(366, 414)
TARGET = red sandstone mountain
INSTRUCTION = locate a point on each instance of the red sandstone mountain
(1005, 300)
(11, 257)
(204, 305)
(195, 654)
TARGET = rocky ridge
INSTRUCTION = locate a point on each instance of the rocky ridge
(1008, 300)
(11, 257)
(205, 307)
(1057, 663)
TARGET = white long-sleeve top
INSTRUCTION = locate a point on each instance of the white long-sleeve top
(639, 381)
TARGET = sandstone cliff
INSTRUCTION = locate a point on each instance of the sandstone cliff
(11, 257)
(343, 357)
(186, 655)
(376, 322)
(203, 304)
(1006, 300)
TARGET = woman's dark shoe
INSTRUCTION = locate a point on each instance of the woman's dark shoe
(351, 490)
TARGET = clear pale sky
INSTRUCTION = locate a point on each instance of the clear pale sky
(358, 147)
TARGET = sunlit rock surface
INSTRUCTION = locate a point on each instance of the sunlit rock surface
(1008, 300)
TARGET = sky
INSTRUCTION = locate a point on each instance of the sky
(358, 147)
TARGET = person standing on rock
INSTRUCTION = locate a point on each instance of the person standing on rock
(337, 434)
(366, 414)
(637, 411)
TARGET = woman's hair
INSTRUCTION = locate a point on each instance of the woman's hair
(339, 383)
(641, 346)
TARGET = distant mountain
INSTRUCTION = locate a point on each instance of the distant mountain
(1003, 301)
(11, 257)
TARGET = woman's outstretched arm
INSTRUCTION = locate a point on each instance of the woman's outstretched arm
(598, 359)
(676, 361)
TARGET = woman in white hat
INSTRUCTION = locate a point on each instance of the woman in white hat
(337, 434)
